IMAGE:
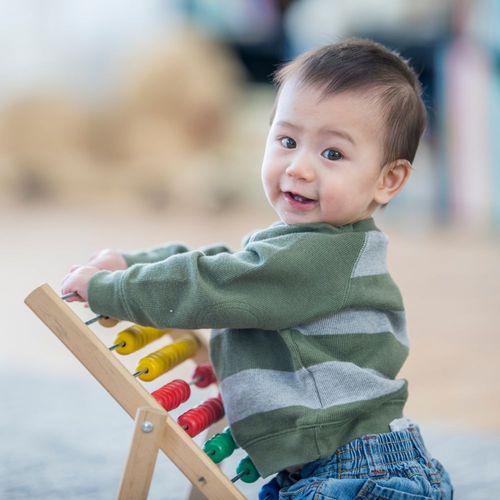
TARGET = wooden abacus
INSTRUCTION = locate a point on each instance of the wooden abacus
(154, 428)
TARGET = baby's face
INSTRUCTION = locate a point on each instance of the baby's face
(323, 156)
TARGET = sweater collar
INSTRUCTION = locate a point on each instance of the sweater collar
(279, 228)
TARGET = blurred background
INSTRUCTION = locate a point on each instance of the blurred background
(125, 124)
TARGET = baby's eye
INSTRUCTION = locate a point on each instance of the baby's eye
(332, 154)
(288, 143)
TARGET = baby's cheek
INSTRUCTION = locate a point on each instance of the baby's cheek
(269, 182)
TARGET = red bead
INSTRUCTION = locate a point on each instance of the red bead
(201, 417)
(173, 394)
(204, 375)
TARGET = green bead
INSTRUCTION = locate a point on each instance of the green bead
(247, 470)
(220, 446)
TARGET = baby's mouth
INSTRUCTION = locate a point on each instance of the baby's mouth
(298, 197)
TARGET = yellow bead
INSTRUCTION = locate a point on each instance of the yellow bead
(136, 337)
(166, 358)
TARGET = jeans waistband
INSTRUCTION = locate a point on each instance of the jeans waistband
(372, 455)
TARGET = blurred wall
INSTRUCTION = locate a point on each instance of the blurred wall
(144, 101)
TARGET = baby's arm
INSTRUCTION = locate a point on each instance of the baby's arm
(157, 254)
(112, 260)
(270, 285)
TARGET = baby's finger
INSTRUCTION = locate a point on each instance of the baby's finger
(75, 267)
(71, 297)
(75, 298)
(68, 292)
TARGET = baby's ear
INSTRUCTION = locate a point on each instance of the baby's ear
(393, 177)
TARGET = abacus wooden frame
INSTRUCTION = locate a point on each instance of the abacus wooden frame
(128, 392)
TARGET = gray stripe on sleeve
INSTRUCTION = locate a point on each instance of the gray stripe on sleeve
(373, 257)
(322, 386)
(359, 321)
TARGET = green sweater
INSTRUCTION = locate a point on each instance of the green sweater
(309, 331)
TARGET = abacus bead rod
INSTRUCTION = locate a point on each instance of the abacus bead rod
(238, 476)
(140, 372)
(93, 320)
(116, 346)
(250, 474)
(69, 295)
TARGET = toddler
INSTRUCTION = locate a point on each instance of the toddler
(308, 325)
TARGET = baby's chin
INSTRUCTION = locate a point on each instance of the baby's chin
(316, 216)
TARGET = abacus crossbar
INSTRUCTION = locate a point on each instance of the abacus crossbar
(128, 392)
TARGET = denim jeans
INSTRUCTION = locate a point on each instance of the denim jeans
(395, 465)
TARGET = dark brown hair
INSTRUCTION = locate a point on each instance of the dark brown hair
(360, 65)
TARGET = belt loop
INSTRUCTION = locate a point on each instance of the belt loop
(419, 444)
(371, 448)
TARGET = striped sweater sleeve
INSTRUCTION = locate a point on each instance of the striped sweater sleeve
(163, 252)
(271, 284)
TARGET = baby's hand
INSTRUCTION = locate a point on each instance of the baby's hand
(109, 260)
(78, 281)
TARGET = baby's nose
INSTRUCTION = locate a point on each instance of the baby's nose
(302, 170)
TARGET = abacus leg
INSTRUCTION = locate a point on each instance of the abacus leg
(136, 479)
